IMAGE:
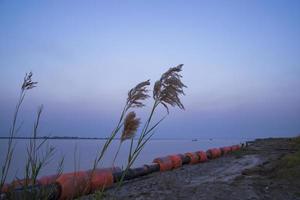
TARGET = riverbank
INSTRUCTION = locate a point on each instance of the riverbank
(266, 169)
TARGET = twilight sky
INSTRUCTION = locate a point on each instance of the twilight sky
(241, 64)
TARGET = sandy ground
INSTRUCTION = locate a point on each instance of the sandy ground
(247, 174)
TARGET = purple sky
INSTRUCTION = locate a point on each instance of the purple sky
(242, 64)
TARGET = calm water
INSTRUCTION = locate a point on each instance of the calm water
(84, 151)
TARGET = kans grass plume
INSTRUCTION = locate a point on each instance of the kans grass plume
(135, 99)
(138, 94)
(167, 91)
(131, 124)
(168, 88)
(28, 83)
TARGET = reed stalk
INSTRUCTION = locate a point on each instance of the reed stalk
(166, 92)
(134, 100)
(36, 157)
(27, 84)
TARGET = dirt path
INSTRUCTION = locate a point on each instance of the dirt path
(243, 175)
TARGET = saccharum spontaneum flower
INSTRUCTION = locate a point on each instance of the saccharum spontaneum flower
(168, 88)
(28, 83)
(131, 124)
(138, 94)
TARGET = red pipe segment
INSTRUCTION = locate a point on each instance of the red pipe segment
(213, 153)
(84, 182)
(202, 155)
(176, 160)
(165, 163)
(101, 178)
(193, 157)
(169, 162)
(225, 150)
(73, 184)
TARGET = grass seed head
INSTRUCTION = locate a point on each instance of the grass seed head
(28, 83)
(168, 88)
(131, 124)
(137, 94)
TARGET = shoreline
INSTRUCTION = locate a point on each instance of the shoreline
(97, 138)
(256, 172)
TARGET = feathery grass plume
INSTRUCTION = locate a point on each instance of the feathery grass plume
(26, 85)
(168, 88)
(131, 124)
(135, 97)
(166, 92)
(137, 94)
(134, 100)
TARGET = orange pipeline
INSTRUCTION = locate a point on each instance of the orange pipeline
(71, 185)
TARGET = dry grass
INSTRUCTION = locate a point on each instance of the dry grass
(131, 124)
(134, 100)
(138, 94)
(166, 91)
(37, 159)
(27, 84)
(168, 88)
